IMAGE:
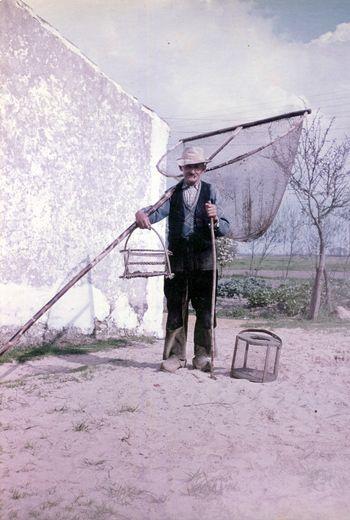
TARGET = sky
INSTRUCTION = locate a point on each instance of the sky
(207, 64)
(302, 20)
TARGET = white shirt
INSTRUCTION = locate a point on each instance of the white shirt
(190, 194)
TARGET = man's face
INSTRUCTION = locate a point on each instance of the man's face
(192, 172)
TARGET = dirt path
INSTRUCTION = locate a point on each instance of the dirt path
(108, 436)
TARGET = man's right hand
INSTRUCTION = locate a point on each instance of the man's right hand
(142, 220)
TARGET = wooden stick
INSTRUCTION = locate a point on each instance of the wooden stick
(213, 298)
(256, 150)
(235, 132)
(247, 125)
(16, 337)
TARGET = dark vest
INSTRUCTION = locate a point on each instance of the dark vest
(195, 251)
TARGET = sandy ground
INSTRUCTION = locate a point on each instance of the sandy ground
(108, 436)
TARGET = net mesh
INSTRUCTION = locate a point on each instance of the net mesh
(249, 166)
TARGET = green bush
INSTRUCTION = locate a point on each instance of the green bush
(261, 297)
(293, 299)
(240, 286)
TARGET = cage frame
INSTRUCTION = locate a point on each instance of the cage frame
(152, 253)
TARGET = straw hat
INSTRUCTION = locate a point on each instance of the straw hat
(192, 155)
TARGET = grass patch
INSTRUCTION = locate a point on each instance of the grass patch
(93, 463)
(298, 263)
(123, 494)
(128, 408)
(235, 313)
(132, 338)
(49, 504)
(83, 368)
(16, 494)
(29, 446)
(21, 355)
(296, 323)
(59, 409)
(14, 384)
(50, 349)
(199, 484)
(80, 427)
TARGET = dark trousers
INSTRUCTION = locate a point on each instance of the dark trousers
(185, 287)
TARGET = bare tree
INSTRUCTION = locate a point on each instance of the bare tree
(293, 224)
(283, 235)
(320, 182)
(345, 216)
(263, 246)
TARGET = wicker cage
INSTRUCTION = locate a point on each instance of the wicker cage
(144, 263)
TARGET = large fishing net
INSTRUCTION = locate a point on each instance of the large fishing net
(250, 165)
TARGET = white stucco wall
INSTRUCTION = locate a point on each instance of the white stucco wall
(77, 158)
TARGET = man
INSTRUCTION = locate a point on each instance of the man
(189, 209)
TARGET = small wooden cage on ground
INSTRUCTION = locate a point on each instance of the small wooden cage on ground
(263, 349)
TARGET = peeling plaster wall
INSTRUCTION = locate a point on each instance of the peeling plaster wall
(77, 158)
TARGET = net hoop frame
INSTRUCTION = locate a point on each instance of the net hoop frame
(256, 150)
(249, 124)
(236, 130)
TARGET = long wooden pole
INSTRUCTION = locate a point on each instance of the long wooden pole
(16, 337)
(213, 351)
(248, 125)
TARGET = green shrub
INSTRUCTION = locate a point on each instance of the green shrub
(293, 299)
(290, 299)
(261, 297)
(239, 286)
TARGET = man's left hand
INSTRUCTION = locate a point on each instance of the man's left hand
(211, 211)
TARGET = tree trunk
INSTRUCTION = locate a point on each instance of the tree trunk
(317, 287)
(290, 256)
(252, 257)
(329, 295)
